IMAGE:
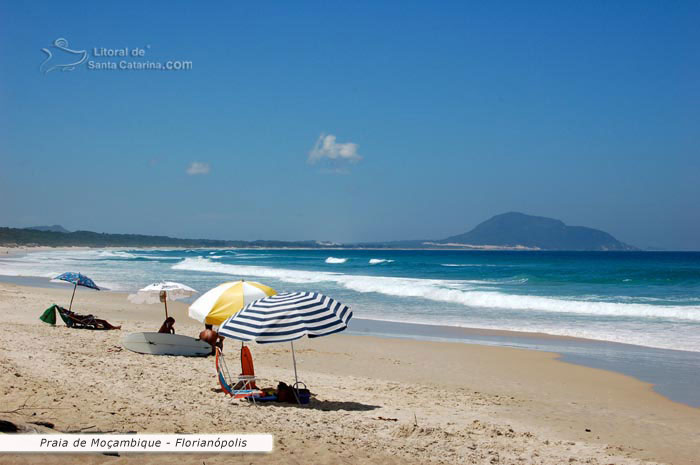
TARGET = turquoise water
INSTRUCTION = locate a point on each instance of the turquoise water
(645, 298)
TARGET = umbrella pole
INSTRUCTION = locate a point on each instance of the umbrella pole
(70, 307)
(166, 307)
(296, 378)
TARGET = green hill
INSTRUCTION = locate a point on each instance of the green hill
(26, 237)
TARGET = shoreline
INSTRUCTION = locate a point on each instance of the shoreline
(452, 402)
(673, 374)
(640, 362)
(43, 282)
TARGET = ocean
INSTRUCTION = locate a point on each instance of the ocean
(649, 299)
(642, 308)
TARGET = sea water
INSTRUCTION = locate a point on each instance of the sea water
(648, 299)
(645, 298)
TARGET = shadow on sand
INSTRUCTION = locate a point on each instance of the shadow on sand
(325, 405)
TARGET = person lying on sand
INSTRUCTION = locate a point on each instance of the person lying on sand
(77, 320)
(168, 326)
(106, 324)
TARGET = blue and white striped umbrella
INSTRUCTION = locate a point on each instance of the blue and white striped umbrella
(286, 317)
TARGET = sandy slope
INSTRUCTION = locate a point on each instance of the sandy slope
(377, 400)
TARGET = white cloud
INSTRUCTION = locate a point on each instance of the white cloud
(197, 167)
(327, 147)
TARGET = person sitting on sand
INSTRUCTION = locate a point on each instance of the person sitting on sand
(212, 337)
(168, 326)
(209, 336)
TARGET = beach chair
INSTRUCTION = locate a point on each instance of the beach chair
(247, 369)
(244, 385)
(75, 320)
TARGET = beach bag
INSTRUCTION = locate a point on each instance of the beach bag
(285, 393)
(304, 396)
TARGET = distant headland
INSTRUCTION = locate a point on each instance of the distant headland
(508, 231)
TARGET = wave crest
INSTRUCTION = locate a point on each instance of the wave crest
(115, 254)
(377, 261)
(450, 291)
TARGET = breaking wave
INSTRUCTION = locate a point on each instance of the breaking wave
(450, 291)
(377, 261)
(115, 254)
(334, 260)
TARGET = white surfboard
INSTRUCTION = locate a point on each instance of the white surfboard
(166, 344)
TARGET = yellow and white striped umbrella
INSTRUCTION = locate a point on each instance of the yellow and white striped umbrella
(219, 303)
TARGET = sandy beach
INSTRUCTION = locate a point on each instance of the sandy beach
(375, 400)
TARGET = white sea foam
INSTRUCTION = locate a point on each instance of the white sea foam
(290, 276)
(111, 254)
(451, 291)
(377, 261)
(122, 255)
(8, 269)
(157, 257)
(334, 260)
(251, 256)
(512, 281)
(103, 266)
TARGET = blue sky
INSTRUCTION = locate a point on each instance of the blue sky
(442, 115)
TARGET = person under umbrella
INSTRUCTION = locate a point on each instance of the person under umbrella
(219, 303)
(162, 292)
(72, 319)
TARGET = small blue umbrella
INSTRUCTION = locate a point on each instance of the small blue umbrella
(78, 280)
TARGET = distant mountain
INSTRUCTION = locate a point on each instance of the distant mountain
(506, 231)
(54, 228)
(518, 229)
